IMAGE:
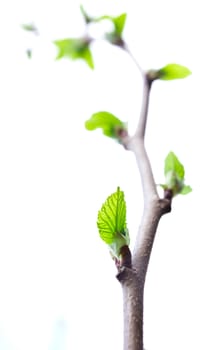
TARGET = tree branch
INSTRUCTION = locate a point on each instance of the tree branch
(126, 48)
(141, 128)
(133, 280)
(132, 309)
(136, 145)
(140, 131)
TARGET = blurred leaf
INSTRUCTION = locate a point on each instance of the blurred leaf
(111, 222)
(75, 49)
(29, 53)
(87, 56)
(173, 71)
(112, 37)
(172, 163)
(186, 190)
(115, 37)
(30, 27)
(119, 23)
(87, 18)
(109, 124)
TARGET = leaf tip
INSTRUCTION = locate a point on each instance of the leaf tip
(173, 71)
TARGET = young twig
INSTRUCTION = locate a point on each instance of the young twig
(133, 280)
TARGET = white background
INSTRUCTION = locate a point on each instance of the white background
(57, 282)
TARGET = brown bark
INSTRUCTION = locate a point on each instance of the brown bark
(133, 280)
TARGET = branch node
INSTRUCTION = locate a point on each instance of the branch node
(125, 274)
(126, 257)
(165, 205)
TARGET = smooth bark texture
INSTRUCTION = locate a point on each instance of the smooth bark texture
(133, 311)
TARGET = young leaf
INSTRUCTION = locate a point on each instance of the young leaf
(30, 27)
(87, 18)
(119, 23)
(109, 124)
(174, 174)
(172, 163)
(29, 53)
(86, 55)
(186, 190)
(173, 71)
(75, 49)
(115, 36)
(174, 183)
(111, 222)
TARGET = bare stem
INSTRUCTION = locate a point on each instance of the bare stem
(132, 309)
(133, 285)
(140, 131)
(136, 145)
(126, 48)
(133, 279)
(141, 127)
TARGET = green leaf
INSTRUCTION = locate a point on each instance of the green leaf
(75, 49)
(111, 222)
(186, 190)
(29, 27)
(174, 174)
(173, 71)
(102, 18)
(109, 124)
(174, 183)
(87, 57)
(87, 18)
(119, 23)
(173, 164)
